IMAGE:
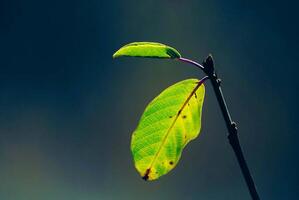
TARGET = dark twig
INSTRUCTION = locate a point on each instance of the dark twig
(208, 68)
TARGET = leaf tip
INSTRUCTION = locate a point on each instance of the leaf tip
(115, 55)
(146, 175)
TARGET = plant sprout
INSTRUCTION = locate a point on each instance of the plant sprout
(173, 118)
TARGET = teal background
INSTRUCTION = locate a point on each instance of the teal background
(67, 110)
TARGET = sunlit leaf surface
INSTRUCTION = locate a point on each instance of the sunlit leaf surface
(168, 123)
(147, 49)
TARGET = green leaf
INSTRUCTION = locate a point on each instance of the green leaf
(148, 50)
(168, 123)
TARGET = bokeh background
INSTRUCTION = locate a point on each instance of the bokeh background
(67, 110)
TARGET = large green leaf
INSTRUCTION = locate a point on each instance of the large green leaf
(147, 49)
(168, 123)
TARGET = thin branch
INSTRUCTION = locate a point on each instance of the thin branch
(185, 60)
(208, 68)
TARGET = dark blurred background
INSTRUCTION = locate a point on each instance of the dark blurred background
(67, 110)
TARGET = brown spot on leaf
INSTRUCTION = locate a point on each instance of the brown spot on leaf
(184, 116)
(195, 95)
(146, 175)
(171, 162)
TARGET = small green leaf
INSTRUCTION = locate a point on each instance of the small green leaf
(148, 50)
(168, 123)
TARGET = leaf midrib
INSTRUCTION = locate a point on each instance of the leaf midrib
(173, 123)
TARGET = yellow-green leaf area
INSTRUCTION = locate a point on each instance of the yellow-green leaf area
(147, 50)
(166, 126)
